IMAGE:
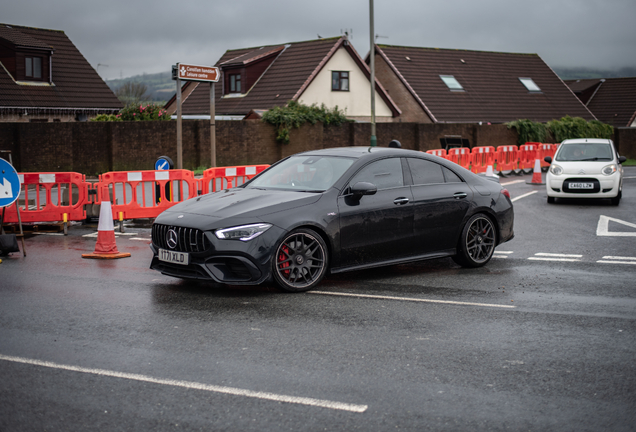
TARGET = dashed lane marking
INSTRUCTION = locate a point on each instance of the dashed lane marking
(544, 256)
(523, 196)
(410, 299)
(195, 385)
(617, 260)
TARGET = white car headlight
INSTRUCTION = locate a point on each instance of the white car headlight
(609, 169)
(556, 169)
(244, 232)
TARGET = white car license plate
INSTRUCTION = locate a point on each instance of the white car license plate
(174, 257)
(581, 186)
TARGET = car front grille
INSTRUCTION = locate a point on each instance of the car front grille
(187, 239)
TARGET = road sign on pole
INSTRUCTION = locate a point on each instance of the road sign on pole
(9, 184)
(188, 72)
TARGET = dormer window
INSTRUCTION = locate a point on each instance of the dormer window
(235, 83)
(33, 67)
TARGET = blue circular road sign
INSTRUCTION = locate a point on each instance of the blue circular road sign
(164, 163)
(9, 184)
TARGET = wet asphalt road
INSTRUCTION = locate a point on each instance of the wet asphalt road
(521, 344)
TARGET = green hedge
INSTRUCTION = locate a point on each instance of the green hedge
(565, 128)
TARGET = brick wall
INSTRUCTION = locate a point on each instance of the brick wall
(97, 147)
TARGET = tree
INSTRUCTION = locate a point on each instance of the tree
(132, 93)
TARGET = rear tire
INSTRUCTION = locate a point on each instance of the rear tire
(477, 242)
(301, 261)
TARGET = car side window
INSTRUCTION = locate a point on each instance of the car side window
(425, 172)
(450, 176)
(384, 174)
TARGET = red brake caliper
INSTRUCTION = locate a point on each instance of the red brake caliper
(282, 257)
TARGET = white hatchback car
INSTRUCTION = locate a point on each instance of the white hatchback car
(585, 168)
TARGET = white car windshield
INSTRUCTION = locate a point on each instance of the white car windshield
(584, 152)
(303, 173)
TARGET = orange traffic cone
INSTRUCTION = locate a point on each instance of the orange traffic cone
(536, 174)
(106, 248)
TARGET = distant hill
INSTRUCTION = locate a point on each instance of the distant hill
(161, 87)
(586, 73)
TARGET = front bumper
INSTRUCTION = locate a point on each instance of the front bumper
(225, 261)
(604, 186)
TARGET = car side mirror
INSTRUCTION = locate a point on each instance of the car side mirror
(363, 188)
(622, 159)
(548, 159)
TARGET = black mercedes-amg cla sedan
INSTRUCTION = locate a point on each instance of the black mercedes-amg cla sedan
(334, 210)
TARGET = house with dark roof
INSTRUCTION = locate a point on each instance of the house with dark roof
(612, 100)
(460, 86)
(44, 77)
(253, 80)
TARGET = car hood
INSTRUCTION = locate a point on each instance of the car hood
(589, 167)
(239, 203)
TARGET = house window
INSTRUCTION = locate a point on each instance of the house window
(33, 67)
(530, 85)
(339, 81)
(451, 83)
(235, 83)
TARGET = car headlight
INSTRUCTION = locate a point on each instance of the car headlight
(556, 169)
(244, 232)
(609, 169)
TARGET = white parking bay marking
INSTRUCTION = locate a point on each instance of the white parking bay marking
(602, 229)
(372, 296)
(513, 182)
(523, 196)
(195, 385)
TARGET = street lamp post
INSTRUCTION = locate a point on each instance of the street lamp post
(374, 140)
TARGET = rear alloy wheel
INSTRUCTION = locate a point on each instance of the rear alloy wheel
(477, 242)
(301, 261)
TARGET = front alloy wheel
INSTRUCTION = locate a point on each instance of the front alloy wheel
(477, 242)
(301, 261)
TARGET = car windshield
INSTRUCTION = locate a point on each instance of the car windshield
(303, 173)
(584, 152)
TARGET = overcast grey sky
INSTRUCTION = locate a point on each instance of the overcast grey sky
(137, 36)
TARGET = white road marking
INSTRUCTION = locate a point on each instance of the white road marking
(371, 296)
(195, 386)
(504, 252)
(523, 196)
(139, 238)
(619, 258)
(544, 256)
(616, 262)
(553, 259)
(513, 182)
(602, 228)
(500, 256)
(117, 234)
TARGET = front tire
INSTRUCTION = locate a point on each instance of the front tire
(550, 200)
(301, 261)
(617, 199)
(477, 242)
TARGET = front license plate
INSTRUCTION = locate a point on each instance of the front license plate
(174, 257)
(581, 186)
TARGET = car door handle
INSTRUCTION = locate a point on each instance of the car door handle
(400, 201)
(460, 195)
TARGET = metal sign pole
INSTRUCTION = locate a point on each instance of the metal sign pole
(212, 128)
(179, 138)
